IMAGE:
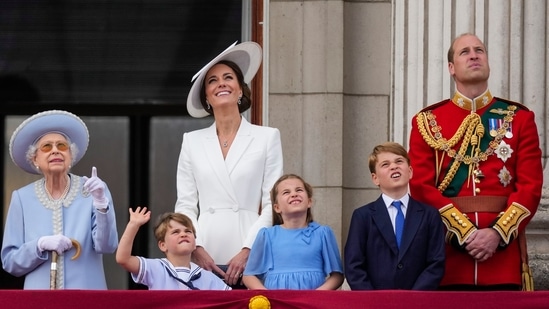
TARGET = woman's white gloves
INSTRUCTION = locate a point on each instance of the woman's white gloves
(96, 187)
(58, 243)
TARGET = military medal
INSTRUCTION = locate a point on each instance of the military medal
(503, 151)
(493, 125)
(509, 133)
(498, 111)
(472, 131)
(504, 176)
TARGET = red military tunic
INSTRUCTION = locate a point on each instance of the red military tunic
(509, 169)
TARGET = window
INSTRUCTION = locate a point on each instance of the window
(125, 68)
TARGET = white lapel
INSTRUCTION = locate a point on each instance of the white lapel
(214, 157)
(239, 146)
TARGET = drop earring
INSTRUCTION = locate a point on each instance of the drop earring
(239, 100)
(208, 104)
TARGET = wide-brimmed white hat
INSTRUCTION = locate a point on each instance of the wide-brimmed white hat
(38, 125)
(246, 55)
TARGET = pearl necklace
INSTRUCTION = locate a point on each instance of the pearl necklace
(74, 187)
(65, 191)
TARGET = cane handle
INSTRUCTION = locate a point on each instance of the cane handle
(76, 246)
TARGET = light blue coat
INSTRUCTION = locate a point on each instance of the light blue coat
(29, 219)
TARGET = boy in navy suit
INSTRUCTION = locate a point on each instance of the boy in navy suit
(394, 242)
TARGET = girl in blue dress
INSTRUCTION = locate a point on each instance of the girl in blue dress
(296, 253)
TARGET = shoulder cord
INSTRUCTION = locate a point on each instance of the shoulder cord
(437, 142)
(471, 130)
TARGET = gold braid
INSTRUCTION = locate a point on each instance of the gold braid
(462, 149)
(465, 130)
(436, 141)
(471, 130)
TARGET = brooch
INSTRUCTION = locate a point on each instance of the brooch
(504, 176)
(503, 151)
(85, 192)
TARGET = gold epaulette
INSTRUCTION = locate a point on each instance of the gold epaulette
(457, 223)
(508, 221)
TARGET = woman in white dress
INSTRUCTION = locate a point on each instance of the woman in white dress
(225, 171)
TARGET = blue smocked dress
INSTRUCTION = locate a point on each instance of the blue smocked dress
(295, 259)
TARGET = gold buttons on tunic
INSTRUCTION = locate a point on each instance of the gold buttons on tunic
(459, 220)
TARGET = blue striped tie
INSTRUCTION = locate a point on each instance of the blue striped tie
(399, 222)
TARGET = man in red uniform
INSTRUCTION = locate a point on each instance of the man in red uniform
(477, 159)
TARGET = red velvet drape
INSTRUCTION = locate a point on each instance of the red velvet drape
(76, 299)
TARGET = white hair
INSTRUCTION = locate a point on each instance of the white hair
(31, 152)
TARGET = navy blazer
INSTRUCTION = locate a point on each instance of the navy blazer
(373, 260)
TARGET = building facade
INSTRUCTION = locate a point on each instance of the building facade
(344, 76)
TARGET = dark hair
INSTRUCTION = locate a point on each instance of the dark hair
(245, 101)
(163, 221)
(277, 218)
(391, 147)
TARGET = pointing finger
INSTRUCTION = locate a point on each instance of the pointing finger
(94, 172)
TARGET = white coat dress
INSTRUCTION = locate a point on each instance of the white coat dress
(223, 196)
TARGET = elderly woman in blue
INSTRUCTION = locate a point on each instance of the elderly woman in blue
(63, 221)
(296, 253)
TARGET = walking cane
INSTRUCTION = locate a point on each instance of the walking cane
(53, 268)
